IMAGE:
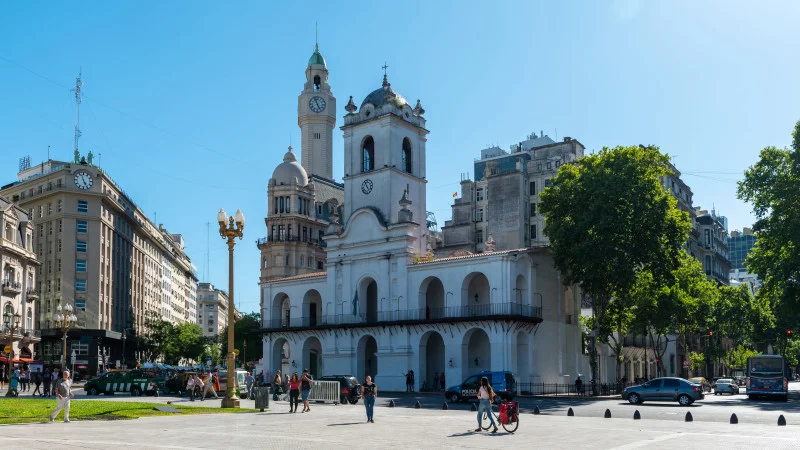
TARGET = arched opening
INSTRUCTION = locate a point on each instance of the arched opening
(317, 83)
(312, 357)
(520, 291)
(25, 352)
(367, 358)
(431, 362)
(475, 352)
(432, 299)
(523, 365)
(281, 311)
(368, 155)
(406, 162)
(367, 299)
(312, 308)
(476, 295)
(281, 358)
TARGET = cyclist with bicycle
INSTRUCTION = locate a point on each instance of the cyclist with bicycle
(486, 398)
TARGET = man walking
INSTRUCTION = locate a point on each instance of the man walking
(210, 386)
(63, 391)
(249, 381)
(37, 381)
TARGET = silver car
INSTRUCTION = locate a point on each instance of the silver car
(664, 390)
(726, 385)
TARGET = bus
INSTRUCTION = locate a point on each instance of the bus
(767, 376)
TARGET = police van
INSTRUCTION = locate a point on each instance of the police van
(503, 384)
(134, 382)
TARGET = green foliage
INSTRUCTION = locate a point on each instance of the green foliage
(696, 360)
(171, 343)
(792, 352)
(737, 357)
(245, 329)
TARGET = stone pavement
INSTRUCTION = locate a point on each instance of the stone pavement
(328, 426)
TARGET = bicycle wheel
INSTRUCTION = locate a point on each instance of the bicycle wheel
(513, 425)
(485, 422)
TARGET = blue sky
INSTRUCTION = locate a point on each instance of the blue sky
(192, 104)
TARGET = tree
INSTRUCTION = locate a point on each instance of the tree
(737, 357)
(608, 218)
(772, 186)
(245, 329)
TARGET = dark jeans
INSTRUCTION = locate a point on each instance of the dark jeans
(46, 389)
(294, 400)
(369, 403)
(37, 389)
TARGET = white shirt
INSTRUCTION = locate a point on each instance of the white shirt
(484, 393)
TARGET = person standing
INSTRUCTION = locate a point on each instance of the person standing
(2, 377)
(369, 391)
(294, 392)
(23, 380)
(486, 398)
(277, 386)
(441, 381)
(408, 381)
(305, 389)
(37, 381)
(435, 381)
(190, 388)
(579, 385)
(413, 381)
(46, 379)
(248, 381)
(63, 391)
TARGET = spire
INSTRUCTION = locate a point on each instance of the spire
(316, 57)
(385, 78)
(350, 107)
(289, 156)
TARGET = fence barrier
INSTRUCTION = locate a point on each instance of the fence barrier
(563, 389)
(325, 391)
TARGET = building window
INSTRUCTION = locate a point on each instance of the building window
(368, 155)
(533, 232)
(79, 246)
(549, 165)
(479, 215)
(60, 225)
(287, 260)
(406, 162)
(547, 183)
(479, 195)
(302, 261)
(319, 265)
(317, 135)
(49, 208)
(479, 236)
(82, 226)
(532, 187)
(58, 206)
(83, 206)
(288, 205)
(305, 234)
(80, 304)
(41, 211)
(80, 285)
(80, 265)
(317, 83)
(533, 209)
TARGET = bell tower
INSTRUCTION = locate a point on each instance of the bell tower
(316, 117)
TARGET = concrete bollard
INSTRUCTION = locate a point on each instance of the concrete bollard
(473, 407)
(781, 421)
(444, 406)
(689, 417)
(570, 413)
(417, 405)
(636, 415)
(607, 415)
(734, 419)
(391, 403)
(536, 410)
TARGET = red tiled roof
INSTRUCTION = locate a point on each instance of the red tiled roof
(475, 255)
(299, 277)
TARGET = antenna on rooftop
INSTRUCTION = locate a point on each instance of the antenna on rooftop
(77, 90)
(25, 163)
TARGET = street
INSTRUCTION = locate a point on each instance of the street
(329, 426)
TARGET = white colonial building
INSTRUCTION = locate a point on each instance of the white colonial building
(384, 303)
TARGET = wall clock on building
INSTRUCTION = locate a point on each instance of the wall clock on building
(366, 186)
(317, 104)
(83, 180)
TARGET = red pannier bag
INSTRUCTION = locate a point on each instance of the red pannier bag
(504, 410)
(513, 411)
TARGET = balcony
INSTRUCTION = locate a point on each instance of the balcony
(32, 294)
(30, 336)
(492, 311)
(307, 240)
(12, 288)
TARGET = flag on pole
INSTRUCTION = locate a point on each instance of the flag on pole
(455, 194)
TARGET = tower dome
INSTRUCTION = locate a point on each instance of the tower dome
(290, 171)
(383, 95)
(316, 57)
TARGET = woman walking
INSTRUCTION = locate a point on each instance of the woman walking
(294, 393)
(369, 391)
(305, 389)
(486, 397)
(277, 386)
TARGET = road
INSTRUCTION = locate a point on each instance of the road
(329, 426)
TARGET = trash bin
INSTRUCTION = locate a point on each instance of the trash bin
(261, 395)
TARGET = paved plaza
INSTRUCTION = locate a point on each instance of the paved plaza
(344, 426)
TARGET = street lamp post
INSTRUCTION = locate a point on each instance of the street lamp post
(244, 352)
(64, 319)
(11, 322)
(229, 229)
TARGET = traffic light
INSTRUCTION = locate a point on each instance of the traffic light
(788, 332)
(710, 333)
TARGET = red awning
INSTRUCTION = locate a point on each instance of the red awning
(25, 360)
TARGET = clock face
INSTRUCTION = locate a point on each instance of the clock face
(317, 104)
(83, 180)
(366, 186)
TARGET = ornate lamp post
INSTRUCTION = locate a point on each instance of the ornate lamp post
(64, 319)
(229, 229)
(11, 325)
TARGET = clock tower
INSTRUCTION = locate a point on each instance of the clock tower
(316, 117)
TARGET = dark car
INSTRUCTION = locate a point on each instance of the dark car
(503, 384)
(349, 386)
(664, 390)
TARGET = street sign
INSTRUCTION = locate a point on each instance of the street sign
(7, 349)
(686, 364)
(73, 358)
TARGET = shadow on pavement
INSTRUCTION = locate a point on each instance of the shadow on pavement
(345, 424)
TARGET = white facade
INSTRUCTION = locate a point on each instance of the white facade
(385, 304)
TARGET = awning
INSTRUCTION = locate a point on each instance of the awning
(26, 360)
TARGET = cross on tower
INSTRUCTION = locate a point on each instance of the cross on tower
(384, 67)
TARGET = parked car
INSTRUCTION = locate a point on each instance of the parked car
(726, 385)
(135, 382)
(503, 384)
(702, 382)
(350, 388)
(665, 390)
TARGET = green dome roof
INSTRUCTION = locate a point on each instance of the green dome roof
(316, 57)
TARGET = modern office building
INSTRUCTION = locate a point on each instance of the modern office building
(740, 243)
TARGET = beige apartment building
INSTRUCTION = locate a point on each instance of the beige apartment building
(19, 287)
(212, 309)
(99, 252)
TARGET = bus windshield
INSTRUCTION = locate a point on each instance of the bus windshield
(766, 366)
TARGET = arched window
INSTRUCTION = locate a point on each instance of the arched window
(368, 153)
(282, 206)
(406, 155)
(317, 82)
(29, 322)
(8, 315)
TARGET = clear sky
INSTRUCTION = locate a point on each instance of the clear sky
(193, 103)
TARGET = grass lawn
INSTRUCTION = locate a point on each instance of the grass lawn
(32, 410)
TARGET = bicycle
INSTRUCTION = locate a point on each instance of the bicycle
(513, 417)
